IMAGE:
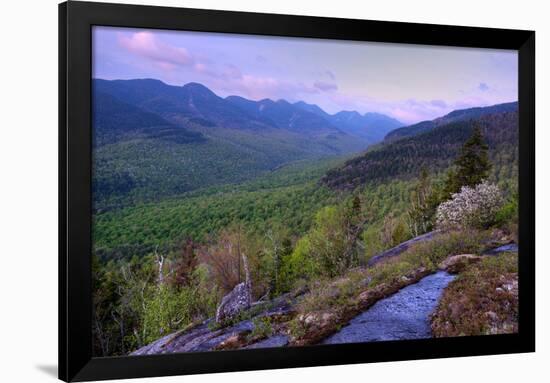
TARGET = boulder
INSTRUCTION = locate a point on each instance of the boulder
(457, 263)
(317, 320)
(233, 303)
(239, 299)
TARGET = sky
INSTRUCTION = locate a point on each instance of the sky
(411, 83)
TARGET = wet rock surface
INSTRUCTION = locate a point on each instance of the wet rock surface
(510, 247)
(279, 340)
(404, 315)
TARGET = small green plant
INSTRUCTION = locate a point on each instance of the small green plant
(213, 325)
(296, 328)
(389, 272)
(263, 328)
(508, 213)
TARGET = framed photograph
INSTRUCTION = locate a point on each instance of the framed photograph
(245, 191)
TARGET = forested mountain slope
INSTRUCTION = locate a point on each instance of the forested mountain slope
(433, 150)
(115, 120)
(454, 116)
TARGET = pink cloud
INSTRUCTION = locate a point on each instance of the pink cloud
(229, 77)
(169, 58)
(146, 45)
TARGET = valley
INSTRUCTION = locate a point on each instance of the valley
(190, 187)
(164, 140)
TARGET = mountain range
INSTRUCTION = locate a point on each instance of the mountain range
(152, 139)
(196, 103)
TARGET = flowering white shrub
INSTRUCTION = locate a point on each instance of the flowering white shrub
(471, 207)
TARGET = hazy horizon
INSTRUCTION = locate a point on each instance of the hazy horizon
(410, 83)
(292, 102)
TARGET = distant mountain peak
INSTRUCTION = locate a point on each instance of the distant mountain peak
(348, 114)
(198, 88)
(266, 101)
(283, 102)
(142, 80)
(374, 114)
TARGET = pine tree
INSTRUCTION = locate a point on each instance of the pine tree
(472, 165)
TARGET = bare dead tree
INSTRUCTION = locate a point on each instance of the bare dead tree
(160, 261)
(239, 251)
(246, 271)
(120, 322)
(102, 336)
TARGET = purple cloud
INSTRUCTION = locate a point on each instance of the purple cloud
(325, 86)
(483, 87)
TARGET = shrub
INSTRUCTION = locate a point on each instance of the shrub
(471, 207)
(223, 257)
(263, 328)
(328, 241)
(393, 232)
(508, 213)
(300, 267)
(332, 240)
(167, 309)
(372, 242)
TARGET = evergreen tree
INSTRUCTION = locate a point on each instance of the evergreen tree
(472, 165)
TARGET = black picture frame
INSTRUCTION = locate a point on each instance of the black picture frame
(75, 299)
